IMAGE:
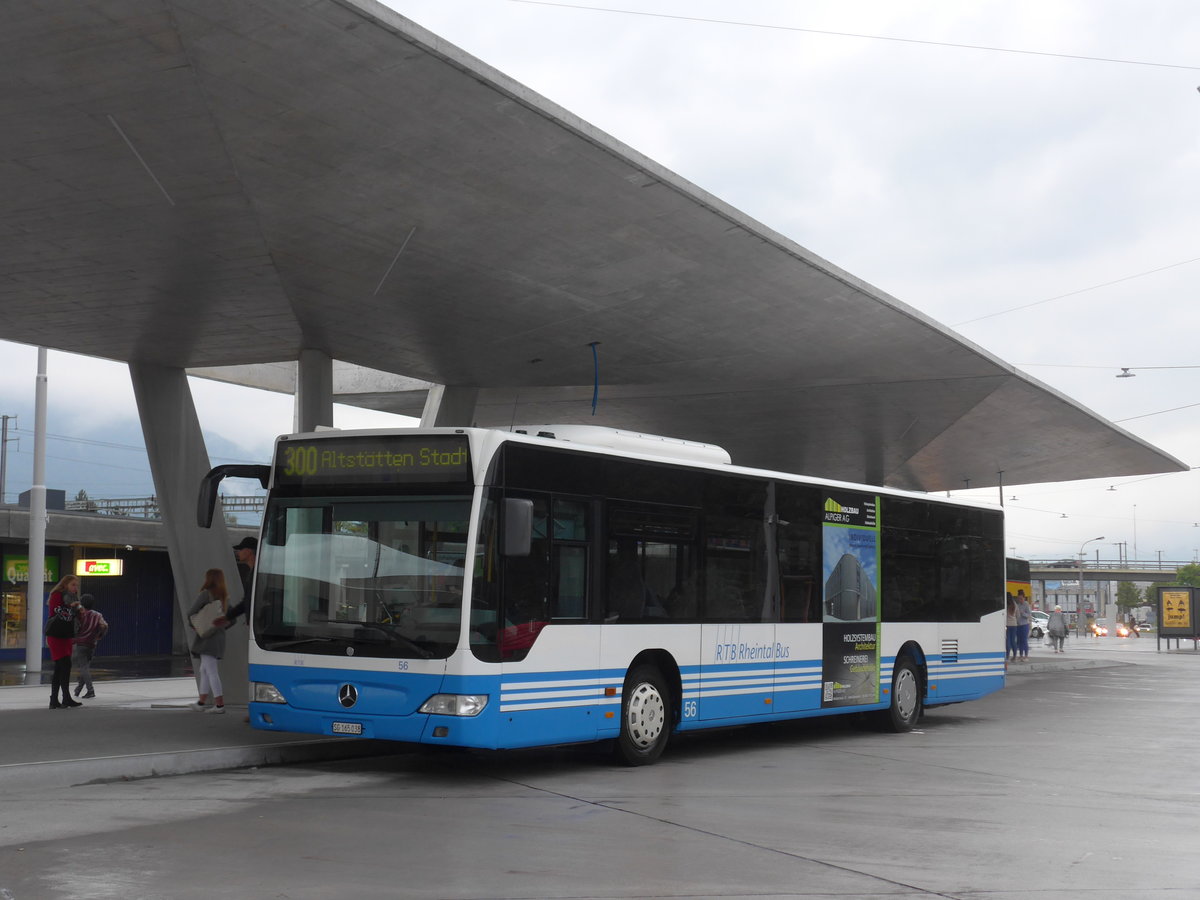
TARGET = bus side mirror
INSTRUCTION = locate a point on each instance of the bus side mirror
(518, 526)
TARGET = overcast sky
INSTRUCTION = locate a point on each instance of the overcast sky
(1040, 197)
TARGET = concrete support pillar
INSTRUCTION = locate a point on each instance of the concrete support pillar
(314, 390)
(178, 460)
(449, 405)
(37, 531)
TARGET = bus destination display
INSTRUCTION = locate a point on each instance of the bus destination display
(385, 459)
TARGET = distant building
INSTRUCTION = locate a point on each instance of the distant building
(139, 604)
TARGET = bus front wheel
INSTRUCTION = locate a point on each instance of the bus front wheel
(645, 717)
(904, 711)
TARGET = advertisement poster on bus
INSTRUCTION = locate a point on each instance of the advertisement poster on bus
(850, 602)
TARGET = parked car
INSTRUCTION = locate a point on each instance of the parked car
(1037, 624)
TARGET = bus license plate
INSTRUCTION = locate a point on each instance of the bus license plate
(347, 728)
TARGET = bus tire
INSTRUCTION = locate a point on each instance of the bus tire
(904, 710)
(646, 717)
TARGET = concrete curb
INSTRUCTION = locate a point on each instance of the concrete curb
(1041, 666)
(23, 777)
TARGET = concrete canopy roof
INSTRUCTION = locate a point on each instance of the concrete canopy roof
(206, 183)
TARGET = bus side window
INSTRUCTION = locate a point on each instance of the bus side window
(526, 607)
(570, 564)
(735, 560)
(627, 590)
(569, 547)
(485, 586)
(796, 582)
(798, 547)
(650, 569)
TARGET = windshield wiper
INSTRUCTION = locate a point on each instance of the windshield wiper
(296, 643)
(396, 636)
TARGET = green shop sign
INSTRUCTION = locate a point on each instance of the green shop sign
(16, 569)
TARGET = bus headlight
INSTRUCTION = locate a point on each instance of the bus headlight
(455, 704)
(261, 692)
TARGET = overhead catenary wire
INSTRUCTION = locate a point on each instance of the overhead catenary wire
(861, 36)
(1093, 287)
(111, 445)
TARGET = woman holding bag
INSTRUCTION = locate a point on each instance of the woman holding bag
(1057, 629)
(63, 603)
(210, 645)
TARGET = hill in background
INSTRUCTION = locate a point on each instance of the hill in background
(109, 464)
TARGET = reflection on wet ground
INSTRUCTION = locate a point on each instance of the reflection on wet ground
(106, 668)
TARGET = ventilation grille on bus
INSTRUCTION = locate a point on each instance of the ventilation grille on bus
(949, 652)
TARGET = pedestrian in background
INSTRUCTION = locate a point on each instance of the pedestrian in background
(1024, 621)
(245, 552)
(92, 627)
(210, 647)
(63, 603)
(1056, 627)
(1010, 630)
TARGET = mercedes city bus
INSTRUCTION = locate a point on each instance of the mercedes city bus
(481, 588)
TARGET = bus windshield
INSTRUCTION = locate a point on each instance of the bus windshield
(349, 576)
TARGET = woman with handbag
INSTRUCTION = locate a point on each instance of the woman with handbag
(210, 637)
(60, 638)
(1057, 629)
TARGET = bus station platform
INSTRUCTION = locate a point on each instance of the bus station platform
(138, 727)
(141, 728)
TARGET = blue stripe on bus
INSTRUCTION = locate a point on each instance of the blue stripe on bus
(565, 706)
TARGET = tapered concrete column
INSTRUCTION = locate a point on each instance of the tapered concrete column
(314, 390)
(448, 405)
(37, 531)
(178, 460)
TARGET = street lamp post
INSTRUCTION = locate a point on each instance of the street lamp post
(1079, 615)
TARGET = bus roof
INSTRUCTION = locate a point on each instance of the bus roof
(625, 444)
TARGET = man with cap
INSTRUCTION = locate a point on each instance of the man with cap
(246, 554)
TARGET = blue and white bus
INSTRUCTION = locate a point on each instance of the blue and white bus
(481, 588)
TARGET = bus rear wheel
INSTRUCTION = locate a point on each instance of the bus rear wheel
(904, 711)
(646, 717)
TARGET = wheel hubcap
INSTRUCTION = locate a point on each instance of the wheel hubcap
(647, 715)
(905, 690)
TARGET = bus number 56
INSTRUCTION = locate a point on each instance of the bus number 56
(689, 709)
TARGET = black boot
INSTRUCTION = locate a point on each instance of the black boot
(67, 702)
(54, 704)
